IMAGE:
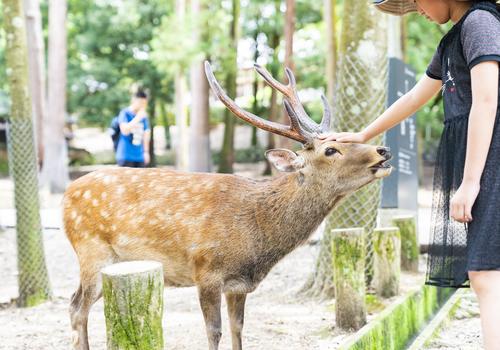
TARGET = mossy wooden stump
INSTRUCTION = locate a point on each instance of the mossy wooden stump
(386, 261)
(348, 255)
(409, 242)
(133, 305)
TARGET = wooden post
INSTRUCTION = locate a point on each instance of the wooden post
(386, 261)
(349, 254)
(133, 305)
(409, 242)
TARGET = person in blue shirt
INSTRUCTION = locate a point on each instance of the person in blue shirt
(133, 144)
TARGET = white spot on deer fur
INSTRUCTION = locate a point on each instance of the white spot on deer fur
(95, 202)
(77, 221)
(113, 227)
(77, 194)
(74, 214)
(104, 195)
(104, 213)
(193, 246)
(120, 190)
(134, 178)
(87, 194)
(107, 179)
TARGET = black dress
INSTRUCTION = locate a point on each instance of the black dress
(456, 248)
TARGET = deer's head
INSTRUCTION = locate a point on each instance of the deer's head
(345, 166)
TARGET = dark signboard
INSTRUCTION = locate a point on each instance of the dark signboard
(400, 189)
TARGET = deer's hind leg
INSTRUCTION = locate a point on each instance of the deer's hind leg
(236, 312)
(92, 257)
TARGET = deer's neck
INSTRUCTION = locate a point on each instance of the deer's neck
(291, 207)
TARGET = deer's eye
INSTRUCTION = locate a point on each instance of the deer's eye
(330, 151)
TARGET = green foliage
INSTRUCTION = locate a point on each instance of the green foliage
(109, 55)
(174, 47)
(397, 325)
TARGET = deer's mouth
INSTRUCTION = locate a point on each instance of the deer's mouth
(382, 168)
(383, 164)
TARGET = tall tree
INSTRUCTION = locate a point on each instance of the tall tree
(199, 150)
(331, 48)
(289, 31)
(227, 152)
(36, 60)
(181, 118)
(55, 171)
(34, 286)
(361, 97)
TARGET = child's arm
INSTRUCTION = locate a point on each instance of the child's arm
(484, 78)
(405, 106)
(126, 128)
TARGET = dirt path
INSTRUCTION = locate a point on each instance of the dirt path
(464, 330)
(275, 318)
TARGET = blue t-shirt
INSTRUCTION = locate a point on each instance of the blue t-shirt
(130, 147)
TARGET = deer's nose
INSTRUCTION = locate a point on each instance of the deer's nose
(384, 152)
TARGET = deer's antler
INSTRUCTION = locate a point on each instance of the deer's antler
(302, 128)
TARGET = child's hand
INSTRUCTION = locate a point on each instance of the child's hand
(355, 137)
(463, 200)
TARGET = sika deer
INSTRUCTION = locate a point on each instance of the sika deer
(221, 233)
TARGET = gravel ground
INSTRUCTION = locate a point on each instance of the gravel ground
(463, 332)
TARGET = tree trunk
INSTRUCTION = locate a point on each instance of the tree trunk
(348, 250)
(387, 261)
(227, 151)
(36, 60)
(409, 242)
(166, 125)
(331, 51)
(34, 286)
(55, 171)
(200, 155)
(133, 305)
(182, 152)
(152, 123)
(360, 98)
(289, 30)
(273, 103)
(255, 86)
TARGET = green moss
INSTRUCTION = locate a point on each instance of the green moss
(373, 304)
(348, 258)
(409, 244)
(35, 299)
(397, 326)
(134, 314)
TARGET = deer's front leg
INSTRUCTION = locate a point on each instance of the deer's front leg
(210, 297)
(236, 311)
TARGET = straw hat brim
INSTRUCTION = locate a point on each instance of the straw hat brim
(396, 7)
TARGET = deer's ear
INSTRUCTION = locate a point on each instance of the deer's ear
(285, 160)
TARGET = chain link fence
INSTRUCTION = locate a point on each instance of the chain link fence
(360, 98)
(33, 281)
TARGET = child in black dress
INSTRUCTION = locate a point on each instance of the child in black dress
(465, 242)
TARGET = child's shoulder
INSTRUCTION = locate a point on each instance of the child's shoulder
(481, 20)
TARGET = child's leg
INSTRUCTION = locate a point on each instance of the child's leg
(486, 284)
